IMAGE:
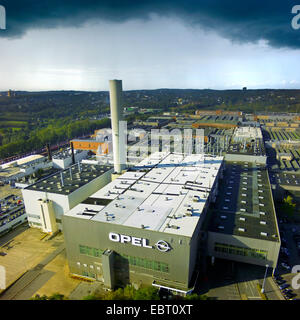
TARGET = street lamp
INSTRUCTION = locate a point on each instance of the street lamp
(263, 286)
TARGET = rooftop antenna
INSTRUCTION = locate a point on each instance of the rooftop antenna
(62, 179)
(72, 152)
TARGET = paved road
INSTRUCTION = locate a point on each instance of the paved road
(272, 291)
(32, 280)
(12, 234)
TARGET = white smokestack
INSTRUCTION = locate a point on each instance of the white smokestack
(116, 111)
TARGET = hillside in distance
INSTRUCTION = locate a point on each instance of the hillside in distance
(28, 120)
(30, 106)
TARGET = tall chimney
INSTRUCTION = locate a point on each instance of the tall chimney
(73, 156)
(116, 111)
(49, 152)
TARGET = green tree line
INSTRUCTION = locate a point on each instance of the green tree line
(53, 133)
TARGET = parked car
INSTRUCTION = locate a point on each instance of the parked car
(284, 257)
(286, 266)
(284, 286)
(280, 282)
(296, 237)
(290, 295)
(287, 291)
(278, 277)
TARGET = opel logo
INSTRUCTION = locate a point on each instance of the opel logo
(162, 246)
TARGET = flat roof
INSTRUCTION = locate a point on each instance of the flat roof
(285, 179)
(166, 192)
(244, 206)
(73, 179)
(24, 160)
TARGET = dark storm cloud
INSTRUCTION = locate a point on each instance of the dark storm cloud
(239, 20)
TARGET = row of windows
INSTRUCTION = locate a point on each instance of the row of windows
(134, 261)
(146, 263)
(247, 252)
(89, 274)
(35, 223)
(93, 252)
(33, 216)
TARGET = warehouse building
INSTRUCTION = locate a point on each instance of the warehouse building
(144, 226)
(242, 226)
(48, 199)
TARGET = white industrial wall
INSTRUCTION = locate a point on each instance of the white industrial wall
(62, 203)
(67, 162)
(32, 168)
(84, 192)
(32, 206)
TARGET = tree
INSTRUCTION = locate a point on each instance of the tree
(195, 296)
(288, 206)
(127, 293)
(54, 296)
(148, 293)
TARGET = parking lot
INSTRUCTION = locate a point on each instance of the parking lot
(6, 190)
(25, 251)
(288, 258)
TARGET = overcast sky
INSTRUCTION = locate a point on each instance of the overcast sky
(217, 44)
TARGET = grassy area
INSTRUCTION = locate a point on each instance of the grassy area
(13, 124)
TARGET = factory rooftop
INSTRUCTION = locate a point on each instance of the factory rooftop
(244, 206)
(166, 192)
(65, 154)
(285, 179)
(71, 179)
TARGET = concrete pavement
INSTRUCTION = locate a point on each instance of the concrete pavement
(22, 289)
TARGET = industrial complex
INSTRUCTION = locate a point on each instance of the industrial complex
(157, 204)
(157, 222)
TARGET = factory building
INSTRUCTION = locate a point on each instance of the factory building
(64, 159)
(242, 226)
(144, 226)
(12, 172)
(48, 199)
(246, 134)
(156, 222)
